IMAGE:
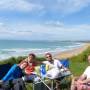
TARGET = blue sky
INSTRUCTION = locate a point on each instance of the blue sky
(45, 19)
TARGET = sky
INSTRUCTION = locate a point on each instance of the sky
(45, 19)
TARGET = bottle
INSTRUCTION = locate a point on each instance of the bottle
(47, 67)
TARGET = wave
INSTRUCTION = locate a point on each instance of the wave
(6, 53)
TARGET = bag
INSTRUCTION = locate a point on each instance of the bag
(16, 84)
(53, 73)
(64, 73)
(57, 73)
(6, 86)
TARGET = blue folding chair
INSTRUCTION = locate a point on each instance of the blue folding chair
(65, 80)
(65, 62)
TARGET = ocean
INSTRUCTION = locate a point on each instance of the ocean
(9, 48)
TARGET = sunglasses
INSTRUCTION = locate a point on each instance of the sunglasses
(48, 56)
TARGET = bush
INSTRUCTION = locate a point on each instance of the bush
(13, 60)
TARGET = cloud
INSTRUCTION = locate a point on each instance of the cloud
(62, 6)
(54, 23)
(18, 5)
(30, 31)
(70, 6)
(6, 30)
(44, 6)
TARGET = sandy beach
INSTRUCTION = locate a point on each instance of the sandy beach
(73, 52)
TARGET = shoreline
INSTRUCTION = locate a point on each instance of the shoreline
(72, 52)
(61, 54)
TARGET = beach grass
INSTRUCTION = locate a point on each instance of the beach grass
(79, 63)
(16, 60)
(77, 68)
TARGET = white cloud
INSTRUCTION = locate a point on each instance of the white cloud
(44, 31)
(69, 6)
(18, 5)
(54, 23)
(61, 6)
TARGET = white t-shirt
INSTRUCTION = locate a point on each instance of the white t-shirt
(55, 64)
(87, 72)
(54, 70)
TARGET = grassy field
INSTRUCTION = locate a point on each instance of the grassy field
(77, 63)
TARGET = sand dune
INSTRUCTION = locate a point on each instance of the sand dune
(73, 52)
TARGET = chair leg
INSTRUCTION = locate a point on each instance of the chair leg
(58, 85)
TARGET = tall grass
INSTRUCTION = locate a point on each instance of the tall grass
(79, 63)
(13, 60)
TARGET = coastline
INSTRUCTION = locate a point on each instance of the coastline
(72, 52)
(58, 52)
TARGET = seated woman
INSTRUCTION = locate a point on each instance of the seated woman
(27, 67)
(83, 82)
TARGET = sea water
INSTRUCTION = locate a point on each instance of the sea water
(9, 48)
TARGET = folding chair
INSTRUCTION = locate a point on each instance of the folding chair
(65, 80)
(65, 62)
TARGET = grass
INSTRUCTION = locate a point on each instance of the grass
(79, 63)
(77, 68)
(13, 60)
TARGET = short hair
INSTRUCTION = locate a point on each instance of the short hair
(33, 55)
(48, 54)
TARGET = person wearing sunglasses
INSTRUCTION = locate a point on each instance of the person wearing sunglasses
(53, 66)
(54, 69)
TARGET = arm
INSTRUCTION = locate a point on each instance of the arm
(48, 65)
(61, 66)
(29, 70)
(86, 80)
(82, 77)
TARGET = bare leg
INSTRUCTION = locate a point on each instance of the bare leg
(73, 85)
(57, 85)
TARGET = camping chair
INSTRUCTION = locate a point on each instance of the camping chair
(65, 81)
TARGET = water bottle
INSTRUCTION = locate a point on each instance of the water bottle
(43, 71)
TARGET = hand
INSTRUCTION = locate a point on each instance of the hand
(80, 82)
(66, 69)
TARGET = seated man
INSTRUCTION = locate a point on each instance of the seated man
(53, 66)
(83, 82)
(54, 69)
